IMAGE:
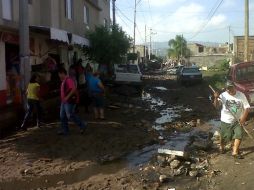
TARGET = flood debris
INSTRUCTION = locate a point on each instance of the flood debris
(172, 152)
(163, 178)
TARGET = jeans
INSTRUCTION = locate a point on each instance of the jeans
(31, 104)
(67, 113)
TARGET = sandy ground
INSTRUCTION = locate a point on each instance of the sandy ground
(105, 156)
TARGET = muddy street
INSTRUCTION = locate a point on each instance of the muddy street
(122, 152)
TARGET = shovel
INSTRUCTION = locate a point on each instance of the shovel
(244, 128)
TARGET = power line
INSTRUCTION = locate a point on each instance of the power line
(150, 10)
(208, 20)
(131, 21)
(140, 35)
(123, 20)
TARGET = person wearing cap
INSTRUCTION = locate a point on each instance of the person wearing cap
(234, 105)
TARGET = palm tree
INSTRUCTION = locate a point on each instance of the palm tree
(178, 48)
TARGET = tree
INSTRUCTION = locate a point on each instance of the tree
(178, 47)
(107, 45)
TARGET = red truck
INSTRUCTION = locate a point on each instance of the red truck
(242, 74)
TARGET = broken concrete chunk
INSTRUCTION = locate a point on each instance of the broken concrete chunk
(193, 173)
(161, 159)
(172, 152)
(203, 165)
(163, 178)
(193, 166)
(175, 164)
(170, 158)
(181, 170)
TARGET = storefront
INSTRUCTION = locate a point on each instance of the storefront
(49, 49)
(10, 68)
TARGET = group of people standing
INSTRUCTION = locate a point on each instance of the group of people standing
(78, 78)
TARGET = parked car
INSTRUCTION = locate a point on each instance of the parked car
(242, 74)
(127, 74)
(174, 70)
(189, 75)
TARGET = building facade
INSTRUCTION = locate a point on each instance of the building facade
(57, 34)
(239, 48)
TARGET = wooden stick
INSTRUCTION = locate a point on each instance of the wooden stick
(212, 88)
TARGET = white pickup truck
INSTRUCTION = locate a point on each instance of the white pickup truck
(127, 74)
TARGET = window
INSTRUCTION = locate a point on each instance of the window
(69, 9)
(86, 15)
(7, 9)
(245, 73)
(127, 69)
(200, 49)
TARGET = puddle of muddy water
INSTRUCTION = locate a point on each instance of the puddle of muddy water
(176, 141)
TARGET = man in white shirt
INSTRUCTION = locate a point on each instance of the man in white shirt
(235, 107)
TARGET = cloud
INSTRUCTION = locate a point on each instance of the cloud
(218, 20)
(185, 19)
(229, 3)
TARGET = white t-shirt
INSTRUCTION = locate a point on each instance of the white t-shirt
(236, 104)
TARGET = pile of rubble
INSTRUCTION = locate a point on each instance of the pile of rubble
(192, 162)
(171, 166)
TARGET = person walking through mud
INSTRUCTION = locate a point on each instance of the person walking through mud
(69, 99)
(96, 91)
(235, 107)
(33, 101)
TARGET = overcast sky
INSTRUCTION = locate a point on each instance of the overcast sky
(192, 18)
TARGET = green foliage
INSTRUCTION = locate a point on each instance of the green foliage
(224, 65)
(215, 78)
(178, 47)
(132, 56)
(107, 45)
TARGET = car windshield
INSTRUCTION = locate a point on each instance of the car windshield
(127, 69)
(191, 70)
(245, 73)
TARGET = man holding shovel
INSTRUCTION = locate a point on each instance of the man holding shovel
(234, 112)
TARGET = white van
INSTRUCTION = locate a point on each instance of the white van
(128, 74)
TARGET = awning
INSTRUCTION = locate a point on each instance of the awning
(61, 35)
(80, 40)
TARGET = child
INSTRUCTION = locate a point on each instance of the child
(33, 101)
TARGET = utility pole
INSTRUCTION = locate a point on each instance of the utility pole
(150, 48)
(246, 38)
(181, 47)
(114, 12)
(229, 30)
(145, 43)
(25, 68)
(134, 35)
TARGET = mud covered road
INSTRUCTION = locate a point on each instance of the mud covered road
(121, 152)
